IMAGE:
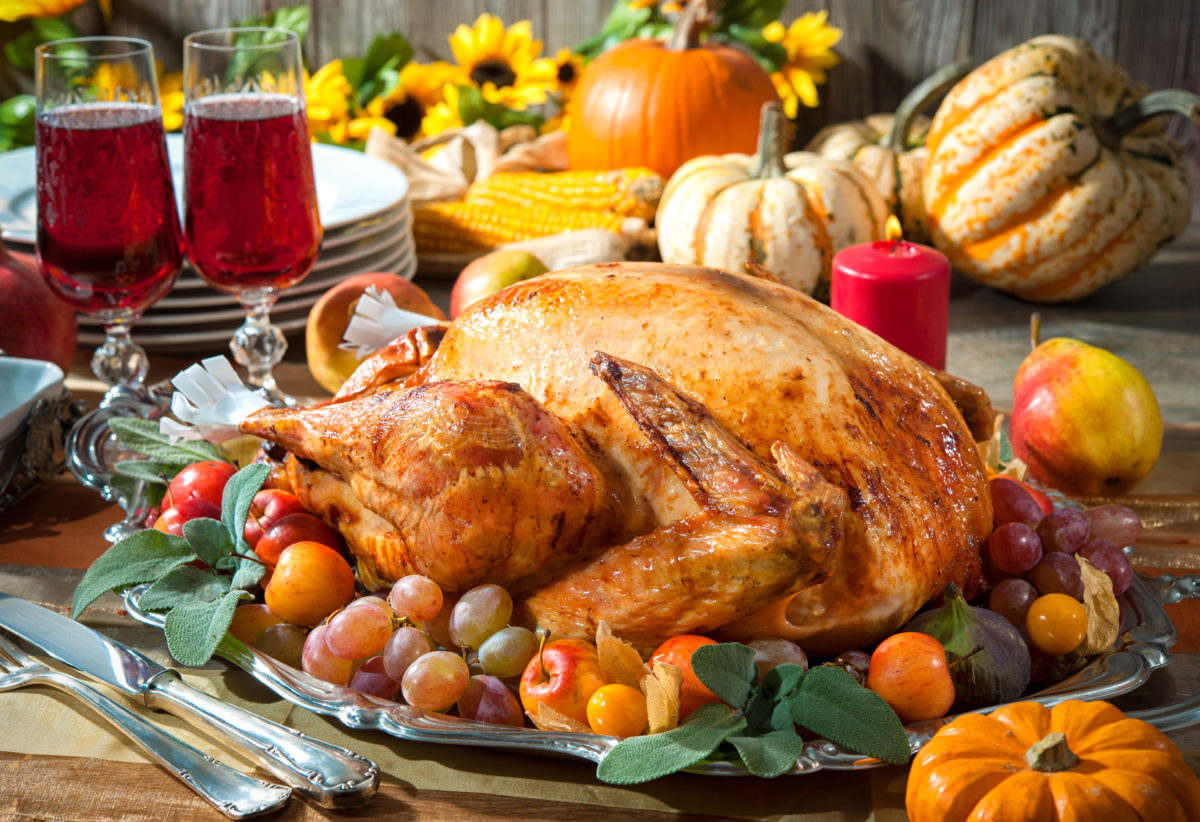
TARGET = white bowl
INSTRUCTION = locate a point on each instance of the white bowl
(22, 383)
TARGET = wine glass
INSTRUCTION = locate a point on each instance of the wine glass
(251, 219)
(108, 236)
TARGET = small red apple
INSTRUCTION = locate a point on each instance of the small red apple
(268, 507)
(678, 651)
(293, 528)
(37, 324)
(563, 677)
(331, 314)
(490, 273)
(171, 520)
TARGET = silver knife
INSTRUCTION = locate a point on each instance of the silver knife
(329, 775)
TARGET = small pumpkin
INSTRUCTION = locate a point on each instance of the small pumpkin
(890, 149)
(1078, 760)
(788, 213)
(1037, 182)
(658, 104)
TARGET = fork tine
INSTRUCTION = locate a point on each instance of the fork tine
(12, 652)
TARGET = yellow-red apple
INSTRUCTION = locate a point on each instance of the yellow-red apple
(1084, 420)
(331, 314)
(678, 651)
(490, 273)
(37, 324)
(563, 677)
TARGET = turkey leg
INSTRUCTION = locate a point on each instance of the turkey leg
(761, 533)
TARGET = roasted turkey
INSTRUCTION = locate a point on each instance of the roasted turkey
(666, 448)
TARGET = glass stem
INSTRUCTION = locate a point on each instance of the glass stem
(120, 362)
(259, 345)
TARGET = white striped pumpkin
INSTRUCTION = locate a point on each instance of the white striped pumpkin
(790, 213)
(1035, 184)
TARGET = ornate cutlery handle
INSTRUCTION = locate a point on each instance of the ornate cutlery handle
(330, 776)
(231, 792)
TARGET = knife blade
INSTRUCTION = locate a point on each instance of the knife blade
(330, 776)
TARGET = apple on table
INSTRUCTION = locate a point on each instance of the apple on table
(493, 272)
(37, 324)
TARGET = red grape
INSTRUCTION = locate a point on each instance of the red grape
(282, 641)
(487, 699)
(1014, 548)
(361, 631)
(1064, 529)
(372, 680)
(417, 597)
(771, 652)
(1111, 560)
(404, 648)
(1058, 573)
(856, 663)
(1115, 523)
(1012, 503)
(1011, 599)
(318, 661)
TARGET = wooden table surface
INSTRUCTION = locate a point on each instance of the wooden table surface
(45, 540)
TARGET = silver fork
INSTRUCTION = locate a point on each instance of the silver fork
(231, 792)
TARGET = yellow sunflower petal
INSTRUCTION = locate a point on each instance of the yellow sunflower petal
(774, 32)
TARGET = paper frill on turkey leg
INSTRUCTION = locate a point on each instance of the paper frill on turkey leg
(377, 321)
(209, 402)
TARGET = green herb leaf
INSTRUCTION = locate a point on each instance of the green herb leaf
(193, 629)
(762, 708)
(375, 74)
(249, 572)
(144, 437)
(1005, 455)
(831, 703)
(728, 670)
(235, 501)
(642, 758)
(187, 583)
(155, 473)
(140, 557)
(769, 754)
(209, 538)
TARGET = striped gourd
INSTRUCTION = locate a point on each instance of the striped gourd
(789, 214)
(1037, 183)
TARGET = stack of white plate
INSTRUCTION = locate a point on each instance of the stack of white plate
(365, 214)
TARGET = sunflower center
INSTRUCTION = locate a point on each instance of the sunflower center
(407, 117)
(566, 74)
(497, 72)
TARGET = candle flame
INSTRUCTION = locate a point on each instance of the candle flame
(891, 230)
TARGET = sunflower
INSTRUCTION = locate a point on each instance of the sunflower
(327, 97)
(558, 74)
(444, 115)
(170, 92)
(809, 43)
(420, 87)
(12, 10)
(498, 61)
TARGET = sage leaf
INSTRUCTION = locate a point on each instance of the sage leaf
(642, 758)
(249, 572)
(186, 583)
(831, 703)
(776, 686)
(143, 556)
(144, 437)
(235, 501)
(769, 754)
(193, 629)
(147, 470)
(728, 670)
(208, 538)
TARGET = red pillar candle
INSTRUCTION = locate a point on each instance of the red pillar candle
(899, 290)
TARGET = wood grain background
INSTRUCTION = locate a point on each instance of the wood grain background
(888, 46)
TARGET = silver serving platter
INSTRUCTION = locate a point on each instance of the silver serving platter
(1126, 667)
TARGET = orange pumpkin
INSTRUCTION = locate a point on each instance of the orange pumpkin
(1079, 760)
(659, 104)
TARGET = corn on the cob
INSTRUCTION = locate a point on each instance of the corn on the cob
(634, 192)
(470, 226)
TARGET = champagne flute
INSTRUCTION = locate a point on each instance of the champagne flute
(251, 218)
(108, 236)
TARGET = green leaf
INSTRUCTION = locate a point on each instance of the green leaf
(193, 629)
(144, 437)
(472, 107)
(155, 473)
(771, 56)
(235, 500)
(750, 13)
(387, 53)
(831, 703)
(761, 710)
(209, 538)
(728, 670)
(1005, 455)
(17, 122)
(291, 18)
(249, 571)
(621, 24)
(642, 758)
(187, 583)
(143, 556)
(769, 754)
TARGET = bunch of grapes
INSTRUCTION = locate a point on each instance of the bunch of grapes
(1036, 581)
(388, 647)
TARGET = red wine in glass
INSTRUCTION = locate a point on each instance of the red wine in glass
(251, 217)
(108, 231)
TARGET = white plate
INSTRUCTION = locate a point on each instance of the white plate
(350, 187)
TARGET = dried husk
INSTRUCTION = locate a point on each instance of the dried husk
(548, 719)
(619, 661)
(661, 688)
(1104, 614)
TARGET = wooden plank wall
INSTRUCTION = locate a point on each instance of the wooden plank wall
(888, 45)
